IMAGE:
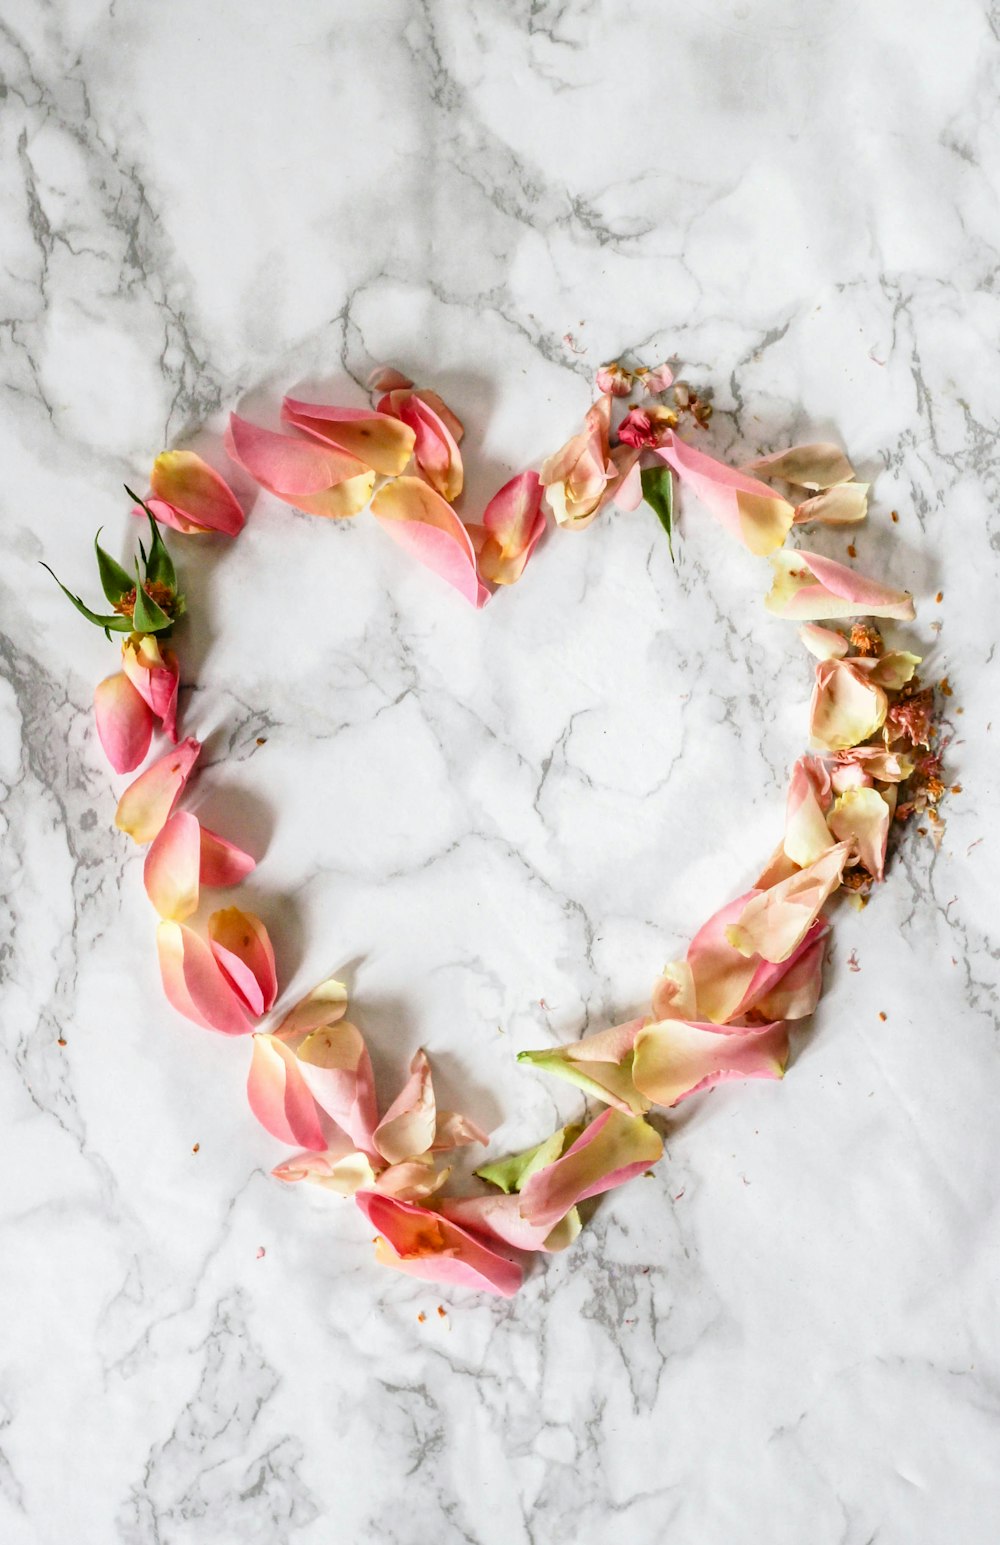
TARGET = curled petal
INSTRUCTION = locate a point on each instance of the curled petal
(885, 766)
(189, 495)
(155, 675)
(600, 1064)
(194, 984)
(147, 802)
(860, 817)
(824, 643)
(750, 511)
(846, 707)
(280, 1097)
(424, 1244)
(512, 524)
(414, 1180)
(221, 862)
(499, 1217)
(408, 1127)
(892, 670)
(806, 832)
(377, 440)
(625, 487)
(344, 1174)
(124, 722)
(242, 948)
(513, 1172)
(317, 479)
(674, 1058)
(728, 984)
(172, 868)
(436, 433)
(421, 522)
(674, 993)
(614, 380)
(334, 1062)
(774, 923)
(320, 1008)
(807, 466)
(840, 506)
(796, 992)
(657, 380)
(810, 588)
(454, 1130)
(611, 1150)
(577, 477)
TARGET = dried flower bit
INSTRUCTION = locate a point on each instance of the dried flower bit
(689, 402)
(857, 879)
(894, 517)
(945, 687)
(939, 597)
(882, 1016)
(852, 551)
(866, 639)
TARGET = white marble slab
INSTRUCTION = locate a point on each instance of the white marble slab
(502, 824)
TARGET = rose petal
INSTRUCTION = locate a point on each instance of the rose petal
(313, 478)
(846, 706)
(421, 522)
(407, 1129)
(320, 1008)
(728, 984)
(172, 867)
(860, 817)
(334, 1062)
(807, 835)
(807, 466)
(124, 722)
(810, 588)
(774, 922)
(657, 380)
(599, 1064)
(194, 984)
(435, 448)
(576, 479)
(749, 511)
(423, 1244)
(221, 862)
(824, 643)
(454, 1130)
(512, 524)
(155, 675)
(343, 1174)
(499, 1217)
(147, 802)
(674, 993)
(611, 1150)
(196, 493)
(892, 670)
(280, 1098)
(386, 378)
(840, 506)
(378, 441)
(242, 948)
(512, 1172)
(613, 380)
(674, 1058)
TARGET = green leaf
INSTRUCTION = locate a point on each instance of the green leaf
(114, 622)
(159, 564)
(658, 492)
(147, 617)
(115, 581)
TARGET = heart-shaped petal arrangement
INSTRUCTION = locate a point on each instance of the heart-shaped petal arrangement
(723, 1012)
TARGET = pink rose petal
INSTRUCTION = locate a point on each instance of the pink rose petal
(375, 439)
(611, 1150)
(317, 479)
(750, 511)
(124, 722)
(243, 950)
(674, 1058)
(810, 588)
(196, 496)
(424, 1244)
(280, 1098)
(172, 867)
(147, 802)
(193, 983)
(425, 525)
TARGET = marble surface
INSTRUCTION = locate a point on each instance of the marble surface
(500, 825)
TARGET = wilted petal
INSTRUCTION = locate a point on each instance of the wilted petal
(453, 1130)
(317, 479)
(576, 478)
(242, 948)
(222, 862)
(824, 643)
(155, 675)
(657, 380)
(320, 1008)
(810, 588)
(147, 802)
(436, 433)
(414, 1180)
(377, 440)
(807, 466)
(611, 1150)
(840, 506)
(750, 511)
(124, 722)
(674, 992)
(860, 817)
(172, 868)
(408, 1126)
(343, 1174)
(614, 380)
(198, 498)
(421, 522)
(846, 706)
(499, 1217)
(806, 832)
(774, 923)
(674, 1059)
(600, 1064)
(885, 766)
(424, 1244)
(512, 524)
(194, 984)
(280, 1098)
(892, 670)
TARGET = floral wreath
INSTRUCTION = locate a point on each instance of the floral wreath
(754, 967)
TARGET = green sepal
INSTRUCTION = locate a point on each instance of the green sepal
(115, 581)
(510, 1174)
(113, 622)
(658, 492)
(159, 564)
(147, 616)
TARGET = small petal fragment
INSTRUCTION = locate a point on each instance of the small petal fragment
(124, 722)
(194, 984)
(407, 1129)
(810, 588)
(317, 479)
(376, 439)
(611, 1150)
(807, 466)
(674, 1058)
(241, 945)
(424, 1244)
(774, 922)
(189, 495)
(147, 802)
(824, 643)
(427, 527)
(613, 380)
